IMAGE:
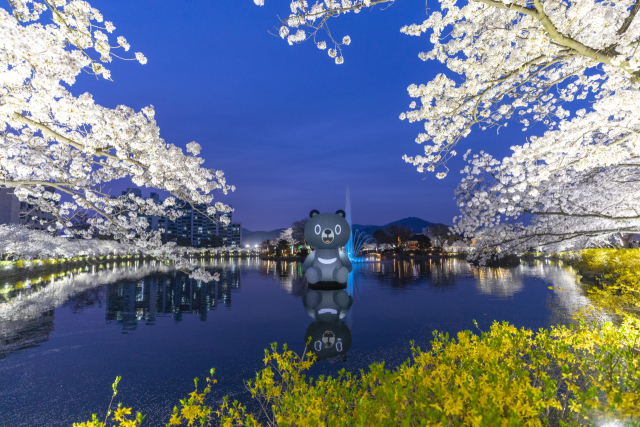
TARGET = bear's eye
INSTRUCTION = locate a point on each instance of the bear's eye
(317, 229)
(338, 229)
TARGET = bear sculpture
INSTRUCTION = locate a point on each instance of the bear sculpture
(327, 233)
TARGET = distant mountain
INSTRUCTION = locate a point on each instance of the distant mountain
(256, 237)
(415, 224)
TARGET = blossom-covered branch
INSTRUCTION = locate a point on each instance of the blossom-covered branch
(539, 61)
(52, 140)
(512, 57)
(315, 18)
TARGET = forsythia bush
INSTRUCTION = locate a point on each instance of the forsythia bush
(565, 376)
(617, 272)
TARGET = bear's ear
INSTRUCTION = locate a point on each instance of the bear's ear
(313, 213)
(341, 213)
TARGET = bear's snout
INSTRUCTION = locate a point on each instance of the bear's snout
(327, 236)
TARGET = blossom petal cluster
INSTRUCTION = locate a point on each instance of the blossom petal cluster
(314, 18)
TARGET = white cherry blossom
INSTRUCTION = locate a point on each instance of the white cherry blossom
(536, 62)
(315, 18)
(52, 139)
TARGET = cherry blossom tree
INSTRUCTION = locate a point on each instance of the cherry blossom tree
(571, 67)
(51, 139)
(21, 242)
(287, 236)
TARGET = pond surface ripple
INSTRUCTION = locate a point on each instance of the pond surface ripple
(65, 337)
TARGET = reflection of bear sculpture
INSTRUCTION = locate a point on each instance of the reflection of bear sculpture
(327, 306)
(330, 336)
(327, 233)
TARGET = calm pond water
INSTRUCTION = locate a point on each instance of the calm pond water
(64, 339)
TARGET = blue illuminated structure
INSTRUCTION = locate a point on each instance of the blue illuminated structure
(348, 248)
(358, 238)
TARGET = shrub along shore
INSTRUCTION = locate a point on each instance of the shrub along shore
(611, 278)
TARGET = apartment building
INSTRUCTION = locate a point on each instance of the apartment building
(193, 227)
(13, 211)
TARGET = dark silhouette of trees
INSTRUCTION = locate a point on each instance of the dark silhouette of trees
(283, 248)
(268, 246)
(298, 231)
(424, 242)
(399, 235)
(381, 236)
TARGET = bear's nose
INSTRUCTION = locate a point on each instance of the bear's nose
(327, 231)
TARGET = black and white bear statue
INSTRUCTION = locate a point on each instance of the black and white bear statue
(327, 233)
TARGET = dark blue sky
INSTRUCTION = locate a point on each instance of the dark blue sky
(288, 126)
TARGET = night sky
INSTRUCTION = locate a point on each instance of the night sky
(289, 127)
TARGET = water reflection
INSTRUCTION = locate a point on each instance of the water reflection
(330, 336)
(27, 313)
(173, 295)
(441, 273)
(140, 292)
(500, 282)
(78, 323)
(289, 274)
(565, 283)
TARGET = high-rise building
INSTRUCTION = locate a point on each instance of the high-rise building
(197, 229)
(193, 227)
(13, 211)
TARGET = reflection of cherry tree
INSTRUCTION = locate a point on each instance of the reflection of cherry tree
(505, 282)
(566, 287)
(52, 140)
(29, 305)
(501, 282)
